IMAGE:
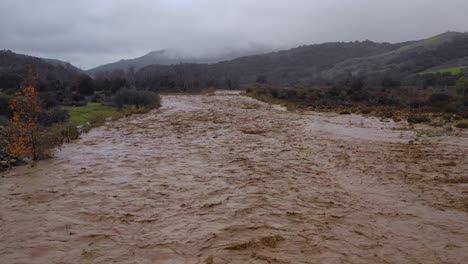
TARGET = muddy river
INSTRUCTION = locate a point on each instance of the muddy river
(227, 179)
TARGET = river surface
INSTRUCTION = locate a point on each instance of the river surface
(226, 179)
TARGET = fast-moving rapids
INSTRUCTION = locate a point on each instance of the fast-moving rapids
(226, 179)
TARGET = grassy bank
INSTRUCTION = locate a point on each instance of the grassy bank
(83, 118)
(93, 114)
(124, 103)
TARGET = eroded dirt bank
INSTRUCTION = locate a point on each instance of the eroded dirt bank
(227, 179)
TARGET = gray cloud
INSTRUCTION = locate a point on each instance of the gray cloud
(89, 32)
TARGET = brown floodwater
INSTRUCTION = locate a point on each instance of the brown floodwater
(226, 179)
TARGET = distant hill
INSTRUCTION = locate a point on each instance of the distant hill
(440, 51)
(299, 64)
(16, 66)
(317, 64)
(62, 63)
(310, 64)
(52, 73)
(433, 42)
(331, 60)
(170, 57)
(161, 57)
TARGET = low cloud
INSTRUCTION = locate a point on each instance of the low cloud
(89, 33)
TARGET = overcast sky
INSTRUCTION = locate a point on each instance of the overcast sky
(88, 33)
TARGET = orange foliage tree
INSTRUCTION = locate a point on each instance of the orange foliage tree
(25, 130)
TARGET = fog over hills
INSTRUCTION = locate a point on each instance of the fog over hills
(328, 61)
(89, 33)
(170, 57)
(319, 61)
(298, 65)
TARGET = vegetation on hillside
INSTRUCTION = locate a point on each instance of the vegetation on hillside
(310, 66)
(305, 66)
(453, 70)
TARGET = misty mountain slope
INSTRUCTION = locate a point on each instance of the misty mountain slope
(300, 63)
(331, 60)
(62, 63)
(449, 64)
(303, 60)
(14, 67)
(323, 62)
(412, 58)
(434, 42)
(171, 57)
(161, 57)
(295, 65)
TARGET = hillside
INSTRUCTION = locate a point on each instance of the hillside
(298, 64)
(161, 57)
(171, 57)
(14, 67)
(456, 63)
(330, 61)
(438, 51)
(305, 65)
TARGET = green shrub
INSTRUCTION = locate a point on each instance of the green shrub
(3, 138)
(462, 125)
(133, 109)
(452, 109)
(5, 106)
(46, 144)
(66, 132)
(49, 99)
(4, 121)
(127, 96)
(54, 116)
(418, 119)
(366, 111)
(98, 119)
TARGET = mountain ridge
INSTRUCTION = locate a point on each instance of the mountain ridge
(300, 64)
(170, 57)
